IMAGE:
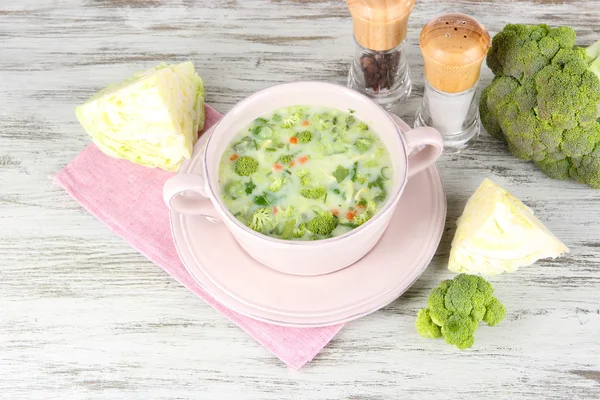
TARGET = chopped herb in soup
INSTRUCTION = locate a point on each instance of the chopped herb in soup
(305, 173)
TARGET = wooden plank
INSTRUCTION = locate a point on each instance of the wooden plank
(83, 316)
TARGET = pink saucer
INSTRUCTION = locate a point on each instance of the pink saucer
(223, 269)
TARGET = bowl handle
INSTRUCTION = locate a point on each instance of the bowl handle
(424, 148)
(174, 198)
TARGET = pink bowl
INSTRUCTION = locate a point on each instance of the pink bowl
(411, 153)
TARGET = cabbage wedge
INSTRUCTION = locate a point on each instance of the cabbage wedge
(151, 119)
(497, 233)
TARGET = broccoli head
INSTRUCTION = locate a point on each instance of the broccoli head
(246, 166)
(323, 224)
(315, 192)
(456, 307)
(304, 137)
(261, 220)
(543, 101)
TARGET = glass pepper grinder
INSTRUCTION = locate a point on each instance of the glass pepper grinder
(453, 48)
(379, 69)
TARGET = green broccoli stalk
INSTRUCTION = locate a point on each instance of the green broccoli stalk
(323, 224)
(592, 58)
(245, 166)
(288, 229)
(544, 100)
(455, 308)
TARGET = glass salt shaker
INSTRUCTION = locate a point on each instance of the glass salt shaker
(453, 48)
(379, 69)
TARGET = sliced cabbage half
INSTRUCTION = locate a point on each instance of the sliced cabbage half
(498, 233)
(151, 119)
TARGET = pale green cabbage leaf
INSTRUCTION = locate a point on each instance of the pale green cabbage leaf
(151, 119)
(497, 233)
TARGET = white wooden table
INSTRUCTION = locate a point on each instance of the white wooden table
(83, 316)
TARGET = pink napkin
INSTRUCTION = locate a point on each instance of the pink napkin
(128, 198)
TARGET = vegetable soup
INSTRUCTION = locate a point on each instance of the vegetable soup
(305, 173)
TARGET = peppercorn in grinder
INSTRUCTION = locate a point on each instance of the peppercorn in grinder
(379, 69)
(453, 48)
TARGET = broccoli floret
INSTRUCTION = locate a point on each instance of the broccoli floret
(261, 220)
(300, 231)
(323, 224)
(246, 166)
(235, 189)
(286, 159)
(276, 184)
(304, 137)
(587, 169)
(363, 127)
(349, 121)
(361, 178)
(315, 192)
(291, 120)
(287, 212)
(363, 144)
(302, 173)
(425, 326)
(367, 214)
(457, 306)
(544, 99)
(459, 331)
(305, 177)
(494, 313)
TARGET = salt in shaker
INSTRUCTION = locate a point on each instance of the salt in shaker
(453, 48)
(379, 69)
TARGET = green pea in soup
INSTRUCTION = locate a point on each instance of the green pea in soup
(305, 173)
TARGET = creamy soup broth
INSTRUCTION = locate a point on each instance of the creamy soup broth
(305, 173)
